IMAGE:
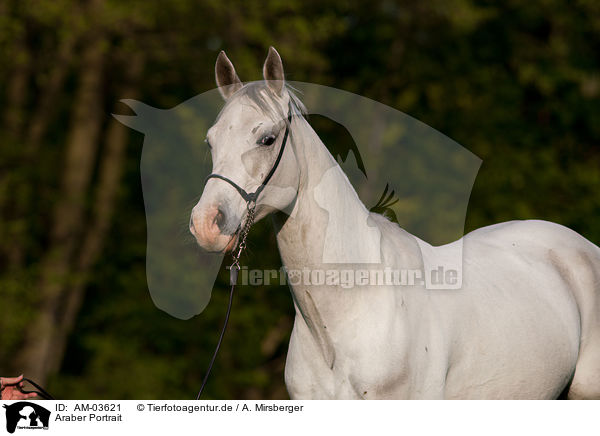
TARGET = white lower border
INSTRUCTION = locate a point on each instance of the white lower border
(311, 417)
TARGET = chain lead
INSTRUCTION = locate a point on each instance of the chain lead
(235, 266)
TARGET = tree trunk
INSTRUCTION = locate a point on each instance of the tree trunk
(43, 115)
(69, 213)
(44, 110)
(17, 78)
(16, 91)
(104, 203)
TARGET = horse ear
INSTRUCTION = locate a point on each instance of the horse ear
(273, 71)
(226, 77)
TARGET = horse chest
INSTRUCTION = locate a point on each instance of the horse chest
(359, 366)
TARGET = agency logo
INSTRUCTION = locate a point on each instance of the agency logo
(27, 416)
(365, 148)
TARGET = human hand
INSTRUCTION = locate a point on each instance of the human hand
(9, 387)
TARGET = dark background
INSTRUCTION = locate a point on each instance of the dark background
(517, 83)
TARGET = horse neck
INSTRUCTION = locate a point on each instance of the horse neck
(305, 236)
(312, 231)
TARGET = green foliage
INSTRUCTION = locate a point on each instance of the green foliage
(517, 83)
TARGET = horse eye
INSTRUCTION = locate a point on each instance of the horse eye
(267, 140)
(208, 143)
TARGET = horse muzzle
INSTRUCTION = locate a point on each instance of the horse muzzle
(213, 228)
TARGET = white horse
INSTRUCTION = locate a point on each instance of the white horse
(525, 323)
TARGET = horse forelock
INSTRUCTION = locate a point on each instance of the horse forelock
(266, 101)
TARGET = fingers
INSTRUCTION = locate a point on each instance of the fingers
(13, 394)
(7, 381)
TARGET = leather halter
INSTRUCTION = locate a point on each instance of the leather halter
(252, 197)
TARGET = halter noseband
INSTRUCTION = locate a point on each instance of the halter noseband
(252, 197)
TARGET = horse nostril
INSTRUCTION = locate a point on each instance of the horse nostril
(220, 219)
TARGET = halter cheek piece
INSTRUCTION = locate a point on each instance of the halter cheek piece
(250, 199)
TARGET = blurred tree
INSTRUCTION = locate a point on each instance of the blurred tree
(516, 83)
(68, 217)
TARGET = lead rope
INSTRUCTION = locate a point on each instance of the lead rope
(233, 274)
(41, 392)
